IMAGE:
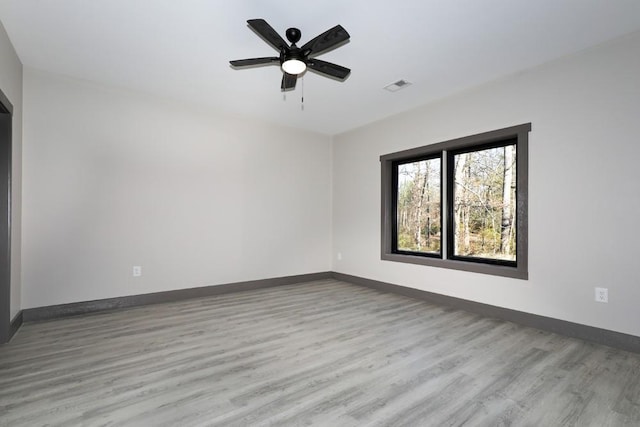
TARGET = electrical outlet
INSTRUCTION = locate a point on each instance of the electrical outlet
(602, 295)
(137, 271)
(339, 256)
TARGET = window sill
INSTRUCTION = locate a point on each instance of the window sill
(494, 270)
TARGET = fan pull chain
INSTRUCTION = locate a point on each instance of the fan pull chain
(302, 99)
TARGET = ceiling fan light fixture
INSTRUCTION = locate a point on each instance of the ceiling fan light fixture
(294, 66)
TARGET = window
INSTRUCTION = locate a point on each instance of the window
(459, 204)
(418, 219)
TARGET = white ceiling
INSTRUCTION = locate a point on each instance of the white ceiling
(181, 49)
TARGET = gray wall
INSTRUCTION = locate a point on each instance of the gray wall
(584, 187)
(11, 85)
(114, 179)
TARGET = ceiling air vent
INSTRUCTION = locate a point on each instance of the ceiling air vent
(396, 86)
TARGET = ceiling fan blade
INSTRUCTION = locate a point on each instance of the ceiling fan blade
(325, 41)
(332, 70)
(254, 61)
(268, 34)
(288, 81)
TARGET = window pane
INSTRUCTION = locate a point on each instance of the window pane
(484, 206)
(418, 206)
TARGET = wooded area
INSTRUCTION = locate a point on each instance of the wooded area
(418, 208)
(484, 203)
(484, 207)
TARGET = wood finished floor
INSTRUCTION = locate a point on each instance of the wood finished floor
(324, 353)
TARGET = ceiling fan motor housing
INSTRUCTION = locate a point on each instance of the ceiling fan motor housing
(293, 35)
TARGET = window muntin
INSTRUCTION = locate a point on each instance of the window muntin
(417, 216)
(482, 203)
(496, 262)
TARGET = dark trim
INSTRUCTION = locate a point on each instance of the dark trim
(575, 330)
(5, 104)
(77, 308)
(477, 265)
(459, 143)
(6, 154)
(15, 324)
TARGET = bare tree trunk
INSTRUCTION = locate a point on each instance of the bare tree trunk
(428, 192)
(419, 210)
(428, 217)
(507, 215)
(461, 223)
(467, 231)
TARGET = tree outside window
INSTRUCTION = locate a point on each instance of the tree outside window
(484, 203)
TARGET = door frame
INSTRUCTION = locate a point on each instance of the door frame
(6, 149)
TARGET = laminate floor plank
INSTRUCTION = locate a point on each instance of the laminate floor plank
(324, 353)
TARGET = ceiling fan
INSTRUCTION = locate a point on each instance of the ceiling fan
(295, 60)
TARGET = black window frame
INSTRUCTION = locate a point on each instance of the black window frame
(394, 206)
(450, 202)
(446, 151)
